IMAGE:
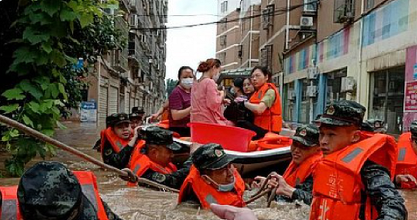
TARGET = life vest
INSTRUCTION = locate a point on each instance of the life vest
(89, 187)
(9, 204)
(338, 185)
(297, 174)
(87, 180)
(139, 163)
(273, 141)
(271, 118)
(407, 159)
(116, 142)
(366, 134)
(207, 194)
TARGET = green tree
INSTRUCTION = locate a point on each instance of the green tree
(42, 45)
(171, 84)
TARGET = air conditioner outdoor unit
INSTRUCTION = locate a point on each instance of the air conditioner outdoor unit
(291, 95)
(306, 21)
(348, 84)
(312, 72)
(311, 91)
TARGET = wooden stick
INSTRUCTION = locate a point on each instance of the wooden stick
(36, 134)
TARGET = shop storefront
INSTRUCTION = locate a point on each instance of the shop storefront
(386, 99)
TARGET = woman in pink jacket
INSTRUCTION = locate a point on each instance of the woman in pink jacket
(206, 99)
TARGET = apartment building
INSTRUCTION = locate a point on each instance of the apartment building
(237, 44)
(133, 76)
(363, 51)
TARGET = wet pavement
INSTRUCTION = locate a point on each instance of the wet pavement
(142, 203)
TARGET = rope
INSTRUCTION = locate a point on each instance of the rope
(38, 135)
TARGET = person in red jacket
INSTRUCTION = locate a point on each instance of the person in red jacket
(48, 190)
(406, 170)
(212, 179)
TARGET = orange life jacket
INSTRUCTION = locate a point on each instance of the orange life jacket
(139, 163)
(297, 174)
(366, 134)
(407, 159)
(10, 204)
(207, 194)
(337, 178)
(271, 118)
(116, 142)
(89, 187)
(273, 141)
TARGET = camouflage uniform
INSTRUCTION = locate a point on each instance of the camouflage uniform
(307, 135)
(159, 136)
(375, 178)
(48, 190)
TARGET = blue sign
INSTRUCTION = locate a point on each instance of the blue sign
(88, 112)
(88, 105)
(415, 72)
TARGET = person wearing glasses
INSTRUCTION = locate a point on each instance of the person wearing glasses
(265, 103)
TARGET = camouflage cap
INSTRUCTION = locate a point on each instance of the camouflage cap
(119, 118)
(342, 113)
(413, 129)
(373, 125)
(307, 135)
(135, 115)
(110, 119)
(211, 157)
(159, 136)
(48, 190)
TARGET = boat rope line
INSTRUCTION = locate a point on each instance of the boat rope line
(125, 174)
(264, 190)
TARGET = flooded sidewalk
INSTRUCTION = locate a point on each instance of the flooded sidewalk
(142, 203)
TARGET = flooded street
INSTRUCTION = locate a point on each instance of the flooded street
(143, 203)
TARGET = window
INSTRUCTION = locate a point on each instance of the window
(304, 116)
(310, 8)
(266, 56)
(344, 11)
(369, 4)
(223, 40)
(222, 57)
(334, 86)
(387, 98)
(223, 23)
(289, 102)
(268, 16)
(223, 7)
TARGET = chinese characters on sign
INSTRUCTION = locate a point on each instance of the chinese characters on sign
(411, 96)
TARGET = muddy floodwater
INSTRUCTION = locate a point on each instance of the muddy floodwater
(143, 203)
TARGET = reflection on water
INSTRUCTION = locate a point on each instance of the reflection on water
(142, 203)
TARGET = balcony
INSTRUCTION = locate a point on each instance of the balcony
(134, 49)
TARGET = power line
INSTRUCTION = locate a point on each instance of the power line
(275, 12)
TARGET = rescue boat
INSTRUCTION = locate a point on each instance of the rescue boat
(252, 157)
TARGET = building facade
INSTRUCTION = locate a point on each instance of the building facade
(365, 51)
(133, 76)
(338, 49)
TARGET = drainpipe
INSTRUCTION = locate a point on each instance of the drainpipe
(250, 36)
(98, 90)
(358, 94)
(287, 27)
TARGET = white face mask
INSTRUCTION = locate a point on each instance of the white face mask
(187, 82)
(216, 77)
